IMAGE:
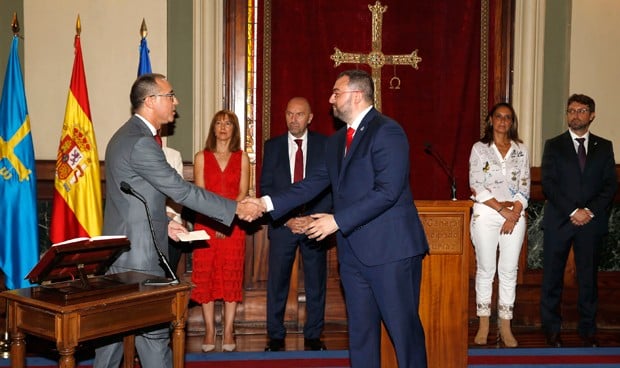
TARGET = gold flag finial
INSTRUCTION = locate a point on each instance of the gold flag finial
(143, 30)
(78, 26)
(15, 24)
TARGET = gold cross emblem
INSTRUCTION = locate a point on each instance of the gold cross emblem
(376, 58)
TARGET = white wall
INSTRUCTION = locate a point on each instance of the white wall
(110, 40)
(595, 66)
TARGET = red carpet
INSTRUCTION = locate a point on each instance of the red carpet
(286, 359)
(544, 357)
(478, 358)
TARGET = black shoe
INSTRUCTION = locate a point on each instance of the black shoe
(275, 345)
(553, 339)
(314, 344)
(589, 341)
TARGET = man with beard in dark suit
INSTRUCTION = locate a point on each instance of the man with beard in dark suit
(579, 182)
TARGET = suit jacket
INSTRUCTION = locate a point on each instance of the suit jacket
(133, 156)
(567, 188)
(372, 201)
(276, 174)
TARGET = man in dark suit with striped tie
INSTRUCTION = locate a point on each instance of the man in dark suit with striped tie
(579, 182)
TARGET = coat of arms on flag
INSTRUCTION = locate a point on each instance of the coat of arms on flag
(73, 158)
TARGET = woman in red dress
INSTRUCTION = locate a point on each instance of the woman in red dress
(223, 168)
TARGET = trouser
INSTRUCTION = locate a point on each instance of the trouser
(282, 250)
(586, 244)
(153, 349)
(389, 293)
(486, 224)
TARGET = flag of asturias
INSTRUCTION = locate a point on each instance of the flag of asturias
(19, 235)
(77, 209)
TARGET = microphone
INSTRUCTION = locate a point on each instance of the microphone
(428, 148)
(127, 189)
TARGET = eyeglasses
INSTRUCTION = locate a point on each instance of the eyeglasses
(337, 94)
(577, 111)
(170, 95)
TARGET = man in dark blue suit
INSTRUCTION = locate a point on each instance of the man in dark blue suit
(579, 182)
(381, 241)
(287, 233)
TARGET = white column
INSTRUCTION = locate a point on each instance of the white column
(208, 68)
(528, 73)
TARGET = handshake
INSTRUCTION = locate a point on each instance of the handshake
(249, 209)
(319, 226)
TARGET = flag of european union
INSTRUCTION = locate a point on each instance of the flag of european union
(144, 66)
(19, 236)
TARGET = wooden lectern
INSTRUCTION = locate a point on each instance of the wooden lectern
(445, 285)
(91, 306)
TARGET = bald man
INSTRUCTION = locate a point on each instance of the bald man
(286, 235)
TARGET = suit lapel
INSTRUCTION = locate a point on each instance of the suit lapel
(360, 133)
(568, 148)
(310, 152)
(143, 128)
(593, 144)
(285, 159)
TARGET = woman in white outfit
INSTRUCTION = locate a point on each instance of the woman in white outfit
(499, 177)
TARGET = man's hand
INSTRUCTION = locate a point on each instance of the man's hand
(298, 224)
(581, 217)
(323, 225)
(174, 229)
(249, 209)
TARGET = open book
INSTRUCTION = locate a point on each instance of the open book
(94, 238)
(75, 258)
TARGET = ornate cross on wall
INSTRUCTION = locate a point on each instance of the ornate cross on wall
(376, 58)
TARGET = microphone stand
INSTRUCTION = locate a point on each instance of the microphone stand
(429, 150)
(162, 258)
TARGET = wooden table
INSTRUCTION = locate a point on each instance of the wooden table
(71, 322)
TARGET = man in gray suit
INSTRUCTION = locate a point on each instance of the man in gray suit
(134, 156)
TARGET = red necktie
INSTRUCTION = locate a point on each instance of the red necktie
(158, 139)
(581, 153)
(298, 171)
(350, 132)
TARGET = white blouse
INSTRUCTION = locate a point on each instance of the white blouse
(505, 178)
